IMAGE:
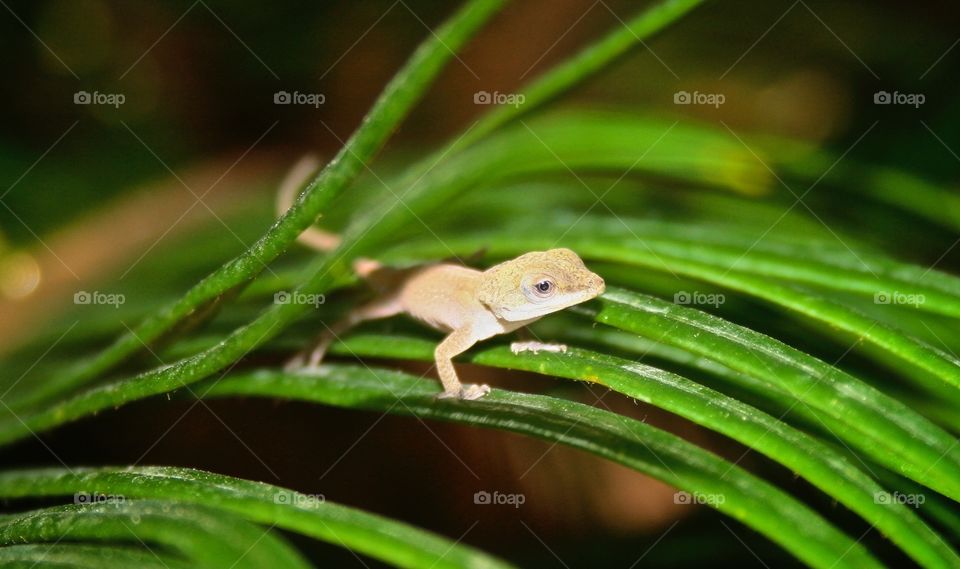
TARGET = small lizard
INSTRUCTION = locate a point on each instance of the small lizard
(469, 304)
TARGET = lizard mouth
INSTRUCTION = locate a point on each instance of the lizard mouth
(599, 286)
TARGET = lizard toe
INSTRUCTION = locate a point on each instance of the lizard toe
(472, 392)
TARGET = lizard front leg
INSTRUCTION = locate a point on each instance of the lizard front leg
(456, 343)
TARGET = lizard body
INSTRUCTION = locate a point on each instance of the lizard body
(468, 304)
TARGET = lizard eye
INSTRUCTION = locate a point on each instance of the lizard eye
(539, 287)
(543, 288)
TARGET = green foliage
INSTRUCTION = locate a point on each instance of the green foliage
(206, 516)
(659, 208)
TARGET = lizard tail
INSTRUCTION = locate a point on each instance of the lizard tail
(366, 267)
(290, 189)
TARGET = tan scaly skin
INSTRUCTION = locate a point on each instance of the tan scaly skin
(469, 304)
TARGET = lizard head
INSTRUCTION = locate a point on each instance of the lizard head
(536, 284)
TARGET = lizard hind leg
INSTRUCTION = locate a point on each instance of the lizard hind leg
(290, 188)
(380, 308)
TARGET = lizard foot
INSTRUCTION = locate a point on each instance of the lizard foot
(537, 347)
(305, 361)
(469, 392)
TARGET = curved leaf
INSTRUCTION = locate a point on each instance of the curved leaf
(207, 537)
(666, 457)
(910, 444)
(830, 471)
(378, 537)
(83, 556)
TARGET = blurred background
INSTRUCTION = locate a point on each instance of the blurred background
(135, 134)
